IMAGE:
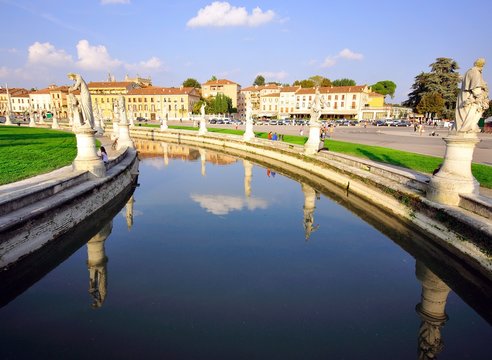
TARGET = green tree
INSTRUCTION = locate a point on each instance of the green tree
(488, 113)
(442, 79)
(259, 80)
(213, 78)
(431, 103)
(304, 83)
(385, 87)
(190, 82)
(220, 104)
(320, 81)
(343, 82)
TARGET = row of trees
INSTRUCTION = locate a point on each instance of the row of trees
(219, 104)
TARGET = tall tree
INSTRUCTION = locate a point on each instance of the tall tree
(304, 83)
(384, 87)
(442, 79)
(259, 80)
(213, 78)
(220, 104)
(431, 103)
(190, 82)
(343, 82)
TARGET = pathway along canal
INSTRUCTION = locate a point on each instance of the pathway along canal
(217, 257)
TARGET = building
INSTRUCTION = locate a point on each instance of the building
(253, 95)
(222, 86)
(104, 94)
(16, 97)
(41, 100)
(152, 102)
(269, 106)
(59, 101)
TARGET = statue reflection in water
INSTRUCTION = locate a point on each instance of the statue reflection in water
(310, 196)
(97, 265)
(248, 174)
(431, 310)
(129, 212)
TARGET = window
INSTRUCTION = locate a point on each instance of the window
(151, 99)
(328, 104)
(329, 97)
(336, 97)
(343, 97)
(145, 107)
(342, 105)
(354, 97)
(353, 104)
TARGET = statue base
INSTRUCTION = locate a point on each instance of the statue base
(8, 121)
(164, 126)
(249, 133)
(314, 143)
(116, 131)
(124, 139)
(87, 158)
(203, 128)
(32, 123)
(54, 124)
(455, 176)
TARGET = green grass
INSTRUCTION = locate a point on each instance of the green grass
(26, 152)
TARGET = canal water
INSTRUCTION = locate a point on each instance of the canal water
(217, 257)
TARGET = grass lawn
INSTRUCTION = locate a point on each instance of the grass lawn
(26, 152)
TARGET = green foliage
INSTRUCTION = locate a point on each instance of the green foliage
(26, 152)
(320, 81)
(442, 79)
(304, 83)
(220, 104)
(385, 87)
(343, 82)
(213, 78)
(259, 80)
(431, 103)
(488, 113)
(190, 82)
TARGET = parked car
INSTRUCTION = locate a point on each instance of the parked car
(403, 123)
(140, 118)
(212, 121)
(380, 123)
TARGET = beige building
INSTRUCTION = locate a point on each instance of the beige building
(19, 102)
(106, 93)
(59, 101)
(153, 102)
(253, 94)
(222, 86)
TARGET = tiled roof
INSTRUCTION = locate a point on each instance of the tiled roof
(290, 88)
(272, 95)
(332, 89)
(375, 94)
(156, 90)
(261, 87)
(13, 91)
(220, 82)
(45, 91)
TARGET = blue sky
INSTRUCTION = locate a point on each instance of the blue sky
(368, 41)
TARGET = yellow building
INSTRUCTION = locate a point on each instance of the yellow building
(253, 94)
(59, 101)
(152, 102)
(106, 93)
(376, 99)
(222, 86)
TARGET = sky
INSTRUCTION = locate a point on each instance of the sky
(283, 40)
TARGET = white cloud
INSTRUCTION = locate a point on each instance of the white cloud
(153, 64)
(269, 75)
(219, 14)
(95, 57)
(47, 54)
(344, 54)
(224, 204)
(4, 71)
(108, 2)
(350, 55)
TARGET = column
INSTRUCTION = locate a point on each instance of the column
(248, 174)
(97, 265)
(124, 139)
(314, 143)
(431, 310)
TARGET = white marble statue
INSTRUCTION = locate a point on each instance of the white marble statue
(85, 99)
(75, 112)
(202, 110)
(473, 99)
(316, 107)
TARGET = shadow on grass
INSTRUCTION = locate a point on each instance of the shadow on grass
(382, 159)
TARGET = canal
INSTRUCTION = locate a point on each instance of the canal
(213, 256)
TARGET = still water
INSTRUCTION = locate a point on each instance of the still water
(217, 257)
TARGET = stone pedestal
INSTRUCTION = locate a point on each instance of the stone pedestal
(8, 121)
(41, 119)
(87, 158)
(97, 265)
(116, 130)
(314, 143)
(32, 123)
(249, 133)
(54, 124)
(164, 124)
(203, 127)
(455, 176)
(129, 212)
(431, 310)
(124, 139)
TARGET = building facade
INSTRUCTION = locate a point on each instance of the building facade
(222, 86)
(105, 95)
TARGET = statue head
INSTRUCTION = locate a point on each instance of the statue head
(480, 62)
(72, 76)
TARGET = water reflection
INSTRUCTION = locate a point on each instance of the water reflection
(310, 196)
(431, 310)
(129, 212)
(97, 265)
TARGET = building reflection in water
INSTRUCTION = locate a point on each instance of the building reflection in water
(248, 174)
(97, 265)
(310, 196)
(431, 310)
(165, 150)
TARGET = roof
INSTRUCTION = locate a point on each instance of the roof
(110, 84)
(157, 90)
(272, 95)
(45, 91)
(332, 89)
(290, 88)
(220, 82)
(261, 87)
(14, 91)
(373, 94)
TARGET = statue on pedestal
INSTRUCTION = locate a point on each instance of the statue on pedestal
(473, 99)
(85, 104)
(316, 107)
(202, 110)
